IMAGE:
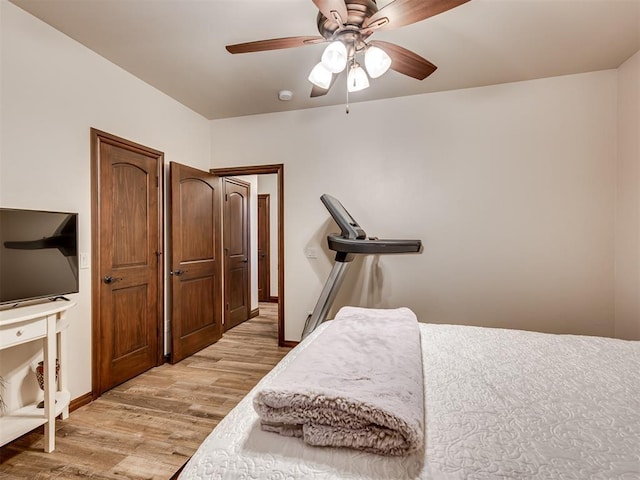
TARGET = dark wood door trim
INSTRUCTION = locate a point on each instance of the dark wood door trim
(97, 138)
(264, 170)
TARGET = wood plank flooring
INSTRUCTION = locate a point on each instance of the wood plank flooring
(148, 427)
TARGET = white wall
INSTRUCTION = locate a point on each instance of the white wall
(268, 184)
(627, 260)
(53, 91)
(510, 187)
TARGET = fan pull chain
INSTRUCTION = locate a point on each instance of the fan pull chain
(347, 106)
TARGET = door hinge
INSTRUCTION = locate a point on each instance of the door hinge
(157, 182)
(226, 197)
(227, 306)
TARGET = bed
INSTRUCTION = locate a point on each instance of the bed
(499, 404)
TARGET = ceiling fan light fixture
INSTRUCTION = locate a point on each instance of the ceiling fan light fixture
(320, 76)
(334, 57)
(376, 61)
(357, 79)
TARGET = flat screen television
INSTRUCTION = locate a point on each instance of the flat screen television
(38, 254)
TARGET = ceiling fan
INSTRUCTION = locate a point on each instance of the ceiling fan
(348, 24)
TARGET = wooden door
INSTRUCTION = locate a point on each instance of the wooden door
(127, 274)
(264, 267)
(196, 269)
(236, 248)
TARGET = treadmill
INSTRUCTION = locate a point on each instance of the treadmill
(352, 240)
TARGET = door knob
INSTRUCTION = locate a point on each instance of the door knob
(177, 273)
(109, 279)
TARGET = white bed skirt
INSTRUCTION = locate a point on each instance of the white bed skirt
(500, 404)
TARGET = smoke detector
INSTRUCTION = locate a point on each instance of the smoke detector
(285, 95)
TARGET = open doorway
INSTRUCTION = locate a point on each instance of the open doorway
(263, 170)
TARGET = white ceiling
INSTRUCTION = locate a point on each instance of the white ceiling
(178, 46)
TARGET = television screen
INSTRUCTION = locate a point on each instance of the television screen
(38, 254)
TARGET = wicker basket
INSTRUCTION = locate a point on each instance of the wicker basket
(40, 373)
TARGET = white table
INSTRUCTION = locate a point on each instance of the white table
(46, 322)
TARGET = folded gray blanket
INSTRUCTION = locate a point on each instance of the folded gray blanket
(358, 383)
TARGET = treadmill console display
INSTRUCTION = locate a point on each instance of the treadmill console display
(349, 227)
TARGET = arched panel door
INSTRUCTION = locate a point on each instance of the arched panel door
(236, 248)
(127, 286)
(196, 269)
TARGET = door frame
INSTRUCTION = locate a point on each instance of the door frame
(278, 169)
(97, 138)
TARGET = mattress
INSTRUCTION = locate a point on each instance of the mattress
(499, 404)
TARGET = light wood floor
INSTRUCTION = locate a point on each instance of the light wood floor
(148, 427)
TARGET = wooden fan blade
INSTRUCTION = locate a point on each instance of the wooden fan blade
(316, 91)
(329, 6)
(273, 44)
(405, 61)
(406, 12)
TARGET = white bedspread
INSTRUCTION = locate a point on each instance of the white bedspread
(500, 404)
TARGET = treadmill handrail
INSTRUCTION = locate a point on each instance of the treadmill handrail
(337, 243)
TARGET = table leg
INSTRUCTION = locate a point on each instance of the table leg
(63, 375)
(49, 385)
